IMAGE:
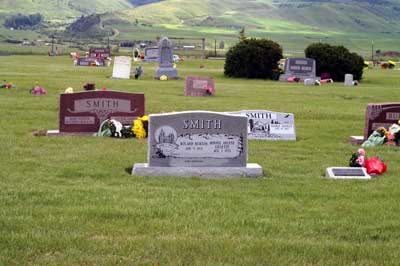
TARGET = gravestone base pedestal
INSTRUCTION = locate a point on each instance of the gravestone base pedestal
(251, 170)
(170, 72)
(356, 140)
(57, 133)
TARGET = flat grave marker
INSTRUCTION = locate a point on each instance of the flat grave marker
(347, 173)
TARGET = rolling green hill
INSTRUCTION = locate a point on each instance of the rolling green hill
(352, 23)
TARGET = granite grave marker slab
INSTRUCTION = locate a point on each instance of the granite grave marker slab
(348, 80)
(166, 61)
(98, 52)
(198, 143)
(199, 86)
(268, 125)
(122, 67)
(83, 112)
(303, 68)
(151, 54)
(90, 61)
(347, 173)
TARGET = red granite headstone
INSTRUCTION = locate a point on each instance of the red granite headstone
(380, 115)
(91, 61)
(100, 52)
(199, 86)
(83, 112)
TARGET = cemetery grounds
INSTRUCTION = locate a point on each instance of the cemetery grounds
(72, 200)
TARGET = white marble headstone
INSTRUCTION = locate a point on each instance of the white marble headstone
(122, 67)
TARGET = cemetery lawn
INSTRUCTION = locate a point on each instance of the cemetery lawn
(72, 200)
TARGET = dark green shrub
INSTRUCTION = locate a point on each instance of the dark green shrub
(253, 58)
(335, 60)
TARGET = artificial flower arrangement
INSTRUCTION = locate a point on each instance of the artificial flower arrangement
(374, 165)
(383, 136)
(6, 85)
(113, 128)
(37, 90)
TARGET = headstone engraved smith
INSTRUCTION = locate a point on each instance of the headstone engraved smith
(165, 67)
(303, 68)
(83, 112)
(268, 125)
(198, 143)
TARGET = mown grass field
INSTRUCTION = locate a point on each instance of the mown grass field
(72, 200)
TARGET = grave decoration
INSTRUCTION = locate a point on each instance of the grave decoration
(379, 115)
(69, 90)
(373, 166)
(199, 86)
(139, 71)
(114, 128)
(268, 125)
(197, 143)
(299, 69)
(37, 90)
(83, 112)
(89, 86)
(6, 85)
(122, 67)
(166, 63)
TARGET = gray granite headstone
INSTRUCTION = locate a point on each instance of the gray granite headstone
(165, 60)
(197, 143)
(151, 54)
(302, 68)
(268, 125)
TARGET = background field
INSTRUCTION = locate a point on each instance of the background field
(72, 201)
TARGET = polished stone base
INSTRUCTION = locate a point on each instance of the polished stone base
(170, 72)
(356, 140)
(57, 133)
(251, 170)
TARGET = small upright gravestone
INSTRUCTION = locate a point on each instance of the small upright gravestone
(348, 80)
(199, 86)
(122, 67)
(83, 112)
(378, 115)
(198, 143)
(96, 52)
(150, 54)
(166, 61)
(302, 68)
(268, 125)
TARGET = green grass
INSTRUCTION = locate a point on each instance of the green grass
(71, 200)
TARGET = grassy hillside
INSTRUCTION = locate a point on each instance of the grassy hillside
(61, 9)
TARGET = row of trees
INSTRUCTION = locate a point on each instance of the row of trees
(23, 21)
(259, 58)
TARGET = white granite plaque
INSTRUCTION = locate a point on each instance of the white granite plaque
(268, 125)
